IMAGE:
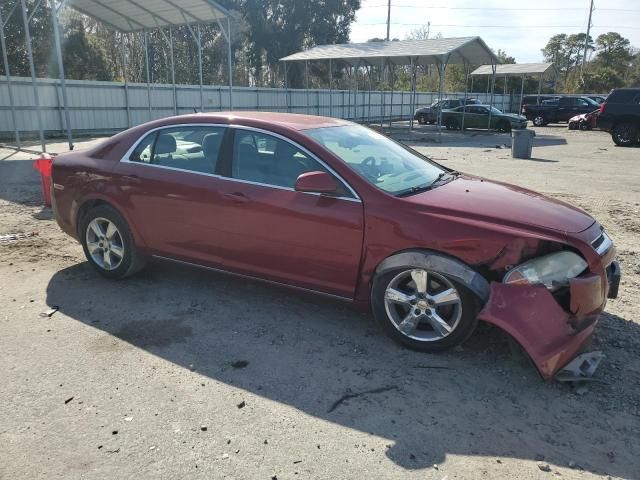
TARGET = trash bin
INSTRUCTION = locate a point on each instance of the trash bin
(522, 143)
(43, 165)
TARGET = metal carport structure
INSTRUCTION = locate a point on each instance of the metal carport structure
(441, 52)
(521, 70)
(124, 16)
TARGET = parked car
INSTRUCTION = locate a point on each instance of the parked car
(597, 98)
(536, 99)
(329, 206)
(477, 116)
(620, 116)
(584, 121)
(560, 110)
(430, 114)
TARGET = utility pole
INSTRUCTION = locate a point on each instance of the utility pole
(389, 17)
(586, 40)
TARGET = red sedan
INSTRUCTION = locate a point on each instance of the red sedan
(333, 207)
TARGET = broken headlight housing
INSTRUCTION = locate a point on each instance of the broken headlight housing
(553, 270)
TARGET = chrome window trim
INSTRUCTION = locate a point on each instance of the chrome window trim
(127, 156)
(606, 244)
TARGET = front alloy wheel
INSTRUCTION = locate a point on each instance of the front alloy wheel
(539, 121)
(423, 306)
(423, 309)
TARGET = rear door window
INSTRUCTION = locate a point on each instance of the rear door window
(191, 148)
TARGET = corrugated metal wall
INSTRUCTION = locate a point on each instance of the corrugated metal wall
(101, 107)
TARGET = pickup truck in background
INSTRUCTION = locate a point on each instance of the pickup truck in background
(559, 110)
(620, 116)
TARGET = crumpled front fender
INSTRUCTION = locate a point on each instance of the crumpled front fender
(533, 317)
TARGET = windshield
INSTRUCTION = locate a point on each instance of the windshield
(381, 161)
(495, 111)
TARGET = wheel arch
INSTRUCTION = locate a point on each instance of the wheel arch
(438, 261)
(89, 203)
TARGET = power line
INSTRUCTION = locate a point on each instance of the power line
(520, 27)
(502, 9)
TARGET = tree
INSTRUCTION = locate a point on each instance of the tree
(613, 50)
(281, 27)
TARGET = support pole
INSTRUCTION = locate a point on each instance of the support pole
(173, 73)
(521, 96)
(392, 78)
(126, 82)
(146, 65)
(7, 73)
(330, 88)
(286, 86)
(539, 88)
(383, 95)
(413, 93)
(200, 67)
(369, 94)
(467, 67)
(230, 64)
(504, 92)
(36, 96)
(471, 86)
(493, 86)
(306, 84)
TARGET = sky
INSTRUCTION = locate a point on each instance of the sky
(517, 27)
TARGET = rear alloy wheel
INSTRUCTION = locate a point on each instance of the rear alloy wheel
(424, 310)
(422, 119)
(452, 124)
(624, 134)
(108, 243)
(539, 121)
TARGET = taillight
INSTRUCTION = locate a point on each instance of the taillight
(602, 105)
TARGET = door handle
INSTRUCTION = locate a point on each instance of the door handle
(236, 197)
(131, 179)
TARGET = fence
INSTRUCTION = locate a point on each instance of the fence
(107, 107)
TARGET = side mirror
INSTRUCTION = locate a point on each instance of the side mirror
(316, 182)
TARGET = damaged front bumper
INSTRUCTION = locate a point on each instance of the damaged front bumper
(551, 335)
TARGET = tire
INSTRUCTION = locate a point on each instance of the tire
(504, 126)
(625, 134)
(452, 124)
(584, 126)
(399, 320)
(539, 121)
(572, 126)
(103, 227)
(422, 119)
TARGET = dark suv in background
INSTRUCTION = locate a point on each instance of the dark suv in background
(620, 116)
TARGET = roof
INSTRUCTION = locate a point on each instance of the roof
(516, 69)
(135, 15)
(471, 50)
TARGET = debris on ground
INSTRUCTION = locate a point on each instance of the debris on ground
(239, 364)
(203, 428)
(14, 237)
(241, 404)
(544, 466)
(348, 396)
(68, 400)
(49, 313)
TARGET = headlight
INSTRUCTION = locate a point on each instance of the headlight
(553, 270)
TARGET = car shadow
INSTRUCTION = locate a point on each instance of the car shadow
(327, 360)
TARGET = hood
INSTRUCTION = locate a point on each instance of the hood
(501, 203)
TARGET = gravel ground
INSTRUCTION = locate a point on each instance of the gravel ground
(183, 373)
